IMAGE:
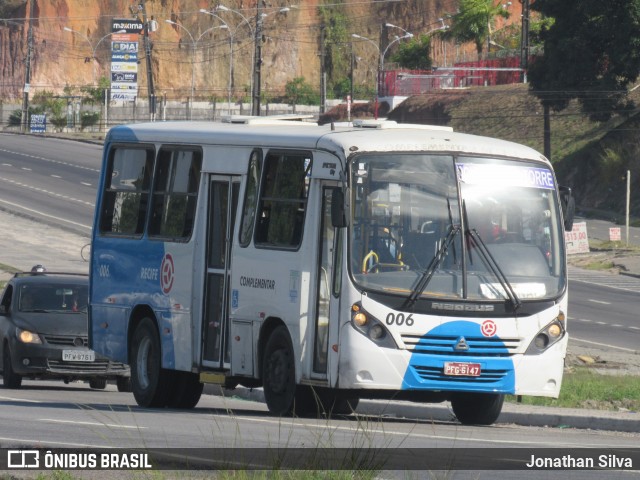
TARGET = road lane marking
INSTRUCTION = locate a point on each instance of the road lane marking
(12, 399)
(600, 301)
(30, 210)
(46, 192)
(50, 160)
(93, 424)
(56, 176)
(86, 184)
(605, 345)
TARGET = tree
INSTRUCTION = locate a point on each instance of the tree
(474, 22)
(591, 53)
(414, 54)
(299, 92)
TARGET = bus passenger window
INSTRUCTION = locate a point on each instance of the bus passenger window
(126, 192)
(175, 193)
(283, 200)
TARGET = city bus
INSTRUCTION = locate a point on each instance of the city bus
(326, 264)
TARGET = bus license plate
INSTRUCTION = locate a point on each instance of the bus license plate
(78, 356)
(462, 369)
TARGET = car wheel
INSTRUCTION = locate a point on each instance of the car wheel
(10, 379)
(477, 408)
(123, 384)
(187, 391)
(150, 383)
(98, 383)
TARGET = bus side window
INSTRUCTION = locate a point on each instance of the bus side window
(175, 193)
(126, 195)
(250, 198)
(283, 200)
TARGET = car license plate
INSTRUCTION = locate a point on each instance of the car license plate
(78, 356)
(462, 369)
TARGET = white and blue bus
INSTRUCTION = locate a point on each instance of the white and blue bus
(329, 263)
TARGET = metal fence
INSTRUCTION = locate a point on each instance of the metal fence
(138, 111)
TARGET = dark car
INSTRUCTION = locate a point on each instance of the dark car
(44, 332)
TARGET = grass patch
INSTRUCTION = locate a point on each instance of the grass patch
(599, 265)
(584, 388)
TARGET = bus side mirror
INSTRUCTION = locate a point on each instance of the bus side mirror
(568, 204)
(338, 218)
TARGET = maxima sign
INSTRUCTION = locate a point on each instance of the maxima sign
(127, 25)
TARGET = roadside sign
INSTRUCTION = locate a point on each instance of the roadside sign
(577, 240)
(614, 234)
(38, 123)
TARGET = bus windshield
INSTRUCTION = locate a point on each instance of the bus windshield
(478, 228)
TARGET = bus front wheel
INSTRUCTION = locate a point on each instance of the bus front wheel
(278, 373)
(477, 408)
(150, 383)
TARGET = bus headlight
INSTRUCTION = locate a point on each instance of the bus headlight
(371, 327)
(548, 336)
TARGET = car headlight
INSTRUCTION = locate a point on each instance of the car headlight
(371, 327)
(25, 336)
(548, 336)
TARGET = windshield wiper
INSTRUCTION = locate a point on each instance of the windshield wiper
(426, 276)
(492, 264)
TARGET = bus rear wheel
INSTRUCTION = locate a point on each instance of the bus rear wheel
(477, 408)
(150, 383)
(186, 392)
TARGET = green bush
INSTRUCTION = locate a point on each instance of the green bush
(88, 119)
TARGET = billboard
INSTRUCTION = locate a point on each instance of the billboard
(124, 60)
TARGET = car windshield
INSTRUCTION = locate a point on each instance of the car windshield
(418, 222)
(57, 298)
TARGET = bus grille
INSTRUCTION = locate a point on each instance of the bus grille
(445, 345)
(436, 374)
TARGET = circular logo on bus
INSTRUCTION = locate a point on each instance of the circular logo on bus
(167, 271)
(488, 328)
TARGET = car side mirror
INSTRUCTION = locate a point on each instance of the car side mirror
(568, 205)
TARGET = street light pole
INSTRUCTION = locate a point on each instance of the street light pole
(360, 37)
(257, 65)
(193, 65)
(224, 8)
(93, 48)
(24, 121)
(231, 35)
(194, 44)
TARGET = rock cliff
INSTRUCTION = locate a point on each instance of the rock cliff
(201, 46)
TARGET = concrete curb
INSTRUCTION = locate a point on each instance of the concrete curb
(512, 413)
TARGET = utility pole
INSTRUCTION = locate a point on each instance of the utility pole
(524, 41)
(27, 71)
(353, 61)
(257, 59)
(323, 73)
(147, 52)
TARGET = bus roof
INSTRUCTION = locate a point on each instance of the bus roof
(369, 136)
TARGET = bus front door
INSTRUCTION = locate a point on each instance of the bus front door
(223, 199)
(328, 289)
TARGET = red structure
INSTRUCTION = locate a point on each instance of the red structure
(498, 71)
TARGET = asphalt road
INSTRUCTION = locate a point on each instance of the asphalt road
(51, 180)
(51, 414)
(604, 316)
